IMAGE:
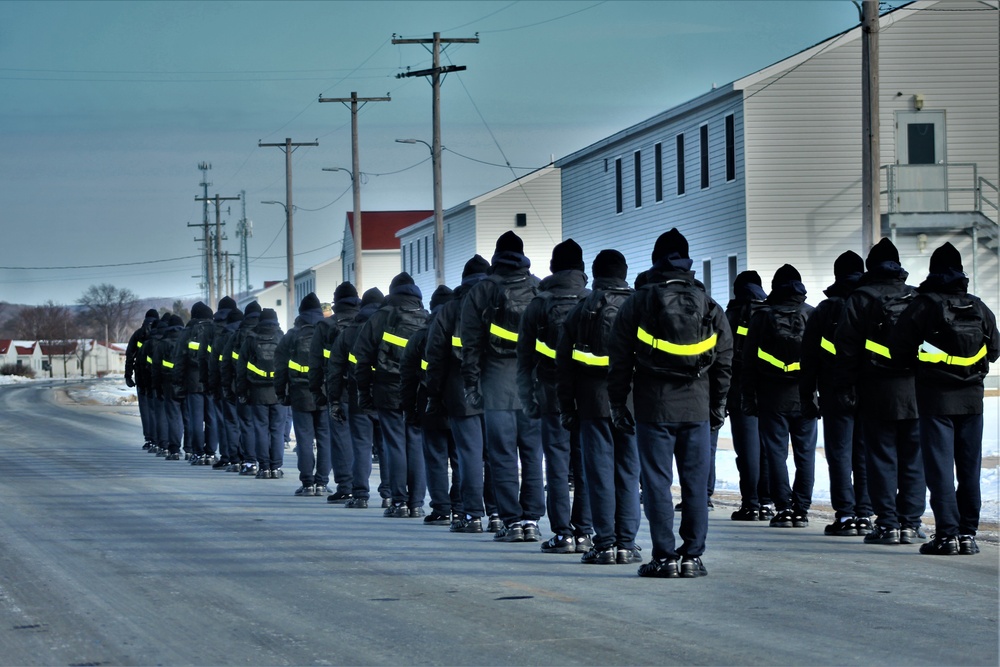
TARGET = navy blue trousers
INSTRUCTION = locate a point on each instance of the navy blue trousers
(776, 428)
(248, 437)
(952, 447)
(660, 445)
(213, 425)
(145, 416)
(404, 455)
(439, 453)
(562, 454)
(511, 436)
(342, 453)
(611, 462)
(173, 424)
(845, 457)
(231, 423)
(469, 434)
(362, 429)
(895, 471)
(312, 426)
(755, 486)
(269, 433)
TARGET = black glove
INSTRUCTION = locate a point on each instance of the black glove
(243, 400)
(337, 413)
(717, 418)
(180, 396)
(533, 410)
(412, 417)
(810, 407)
(569, 420)
(473, 398)
(622, 419)
(284, 400)
(434, 408)
(320, 399)
(366, 402)
(847, 399)
(129, 382)
(749, 406)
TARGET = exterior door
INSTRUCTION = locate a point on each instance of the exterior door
(921, 159)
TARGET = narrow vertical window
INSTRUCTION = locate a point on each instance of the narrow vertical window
(427, 252)
(703, 146)
(637, 165)
(706, 275)
(730, 148)
(618, 185)
(658, 171)
(680, 164)
(733, 270)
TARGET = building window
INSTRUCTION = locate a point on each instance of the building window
(680, 164)
(703, 146)
(521, 220)
(637, 167)
(618, 185)
(920, 143)
(658, 170)
(733, 270)
(730, 148)
(706, 275)
(427, 253)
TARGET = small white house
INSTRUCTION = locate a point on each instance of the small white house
(22, 354)
(321, 279)
(272, 295)
(380, 252)
(530, 206)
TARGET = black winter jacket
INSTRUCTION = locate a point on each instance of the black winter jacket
(377, 384)
(536, 370)
(231, 355)
(249, 388)
(881, 394)
(165, 359)
(775, 392)
(583, 387)
(191, 367)
(444, 354)
(659, 399)
(739, 313)
(819, 352)
(937, 392)
(413, 381)
(213, 353)
(495, 376)
(136, 368)
(327, 331)
(340, 377)
(291, 372)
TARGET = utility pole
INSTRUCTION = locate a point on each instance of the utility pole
(219, 283)
(289, 147)
(871, 219)
(435, 73)
(356, 172)
(244, 231)
(207, 265)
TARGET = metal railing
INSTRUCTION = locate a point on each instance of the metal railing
(952, 186)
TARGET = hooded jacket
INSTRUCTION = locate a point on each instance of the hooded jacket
(495, 376)
(231, 354)
(379, 385)
(191, 369)
(444, 353)
(327, 331)
(882, 394)
(165, 358)
(291, 372)
(255, 393)
(819, 352)
(339, 375)
(536, 363)
(747, 300)
(663, 399)
(135, 363)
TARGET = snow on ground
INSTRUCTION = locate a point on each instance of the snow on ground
(112, 391)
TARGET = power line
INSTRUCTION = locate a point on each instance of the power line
(557, 18)
(96, 266)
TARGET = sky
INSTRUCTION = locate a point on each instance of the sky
(107, 109)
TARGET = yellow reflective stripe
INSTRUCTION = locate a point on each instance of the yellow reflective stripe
(423, 364)
(393, 339)
(194, 345)
(326, 354)
(351, 358)
(951, 360)
(236, 355)
(220, 358)
(262, 373)
(297, 367)
(688, 350)
(167, 364)
(456, 341)
(210, 349)
(828, 346)
(138, 344)
(500, 332)
(774, 361)
(542, 348)
(589, 359)
(149, 360)
(741, 331)
(880, 350)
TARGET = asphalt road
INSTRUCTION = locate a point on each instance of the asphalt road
(111, 556)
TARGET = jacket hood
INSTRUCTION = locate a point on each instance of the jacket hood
(608, 282)
(510, 259)
(844, 285)
(309, 316)
(570, 278)
(949, 281)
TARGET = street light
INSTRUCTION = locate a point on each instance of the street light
(438, 211)
(356, 186)
(290, 283)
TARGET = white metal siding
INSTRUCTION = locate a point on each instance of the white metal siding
(711, 219)
(540, 200)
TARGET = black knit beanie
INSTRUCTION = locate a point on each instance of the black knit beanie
(442, 295)
(344, 290)
(235, 315)
(200, 311)
(268, 314)
(510, 242)
(252, 307)
(226, 303)
(566, 256)
(847, 264)
(372, 295)
(946, 258)
(883, 251)
(610, 264)
(784, 275)
(477, 264)
(176, 321)
(672, 242)
(151, 313)
(310, 302)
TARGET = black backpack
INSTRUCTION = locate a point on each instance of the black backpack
(264, 348)
(597, 317)
(955, 349)
(515, 293)
(298, 360)
(555, 309)
(891, 306)
(400, 325)
(780, 350)
(677, 335)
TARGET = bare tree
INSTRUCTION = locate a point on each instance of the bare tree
(111, 310)
(49, 326)
(180, 310)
